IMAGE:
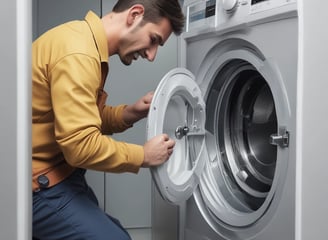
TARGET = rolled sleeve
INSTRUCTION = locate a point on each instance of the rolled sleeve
(112, 119)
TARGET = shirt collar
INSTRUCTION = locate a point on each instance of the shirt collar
(99, 34)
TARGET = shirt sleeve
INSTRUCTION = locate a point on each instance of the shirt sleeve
(74, 82)
(112, 121)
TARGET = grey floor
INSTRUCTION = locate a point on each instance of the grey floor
(140, 233)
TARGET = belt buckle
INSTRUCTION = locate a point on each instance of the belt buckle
(43, 181)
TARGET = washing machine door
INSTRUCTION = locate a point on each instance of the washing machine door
(178, 109)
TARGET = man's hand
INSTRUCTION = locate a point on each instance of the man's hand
(134, 112)
(158, 150)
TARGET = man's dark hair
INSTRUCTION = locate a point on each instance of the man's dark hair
(155, 10)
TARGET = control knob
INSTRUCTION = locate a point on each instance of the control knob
(229, 5)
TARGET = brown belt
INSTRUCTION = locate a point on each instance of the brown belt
(52, 176)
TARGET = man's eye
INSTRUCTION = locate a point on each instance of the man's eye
(153, 40)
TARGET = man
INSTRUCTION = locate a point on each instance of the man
(70, 118)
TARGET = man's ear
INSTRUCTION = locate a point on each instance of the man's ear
(134, 12)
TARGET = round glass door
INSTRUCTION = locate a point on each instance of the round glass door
(178, 110)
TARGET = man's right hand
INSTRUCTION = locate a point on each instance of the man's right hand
(158, 150)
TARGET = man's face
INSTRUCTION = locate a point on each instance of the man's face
(143, 40)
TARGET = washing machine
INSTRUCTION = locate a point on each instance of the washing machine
(231, 107)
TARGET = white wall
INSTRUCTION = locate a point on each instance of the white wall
(15, 107)
(312, 162)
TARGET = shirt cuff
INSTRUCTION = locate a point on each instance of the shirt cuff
(135, 157)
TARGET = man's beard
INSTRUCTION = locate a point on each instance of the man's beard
(126, 60)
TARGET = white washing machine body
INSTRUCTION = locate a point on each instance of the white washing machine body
(232, 109)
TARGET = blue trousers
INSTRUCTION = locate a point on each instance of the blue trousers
(69, 211)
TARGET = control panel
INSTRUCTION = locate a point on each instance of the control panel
(201, 14)
(263, 5)
(207, 15)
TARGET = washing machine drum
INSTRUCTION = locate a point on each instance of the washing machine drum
(243, 119)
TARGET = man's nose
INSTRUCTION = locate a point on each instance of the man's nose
(151, 53)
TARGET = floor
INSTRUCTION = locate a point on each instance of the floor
(140, 233)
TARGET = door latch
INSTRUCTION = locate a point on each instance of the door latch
(181, 131)
(281, 138)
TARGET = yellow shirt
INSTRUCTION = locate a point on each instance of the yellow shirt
(66, 75)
